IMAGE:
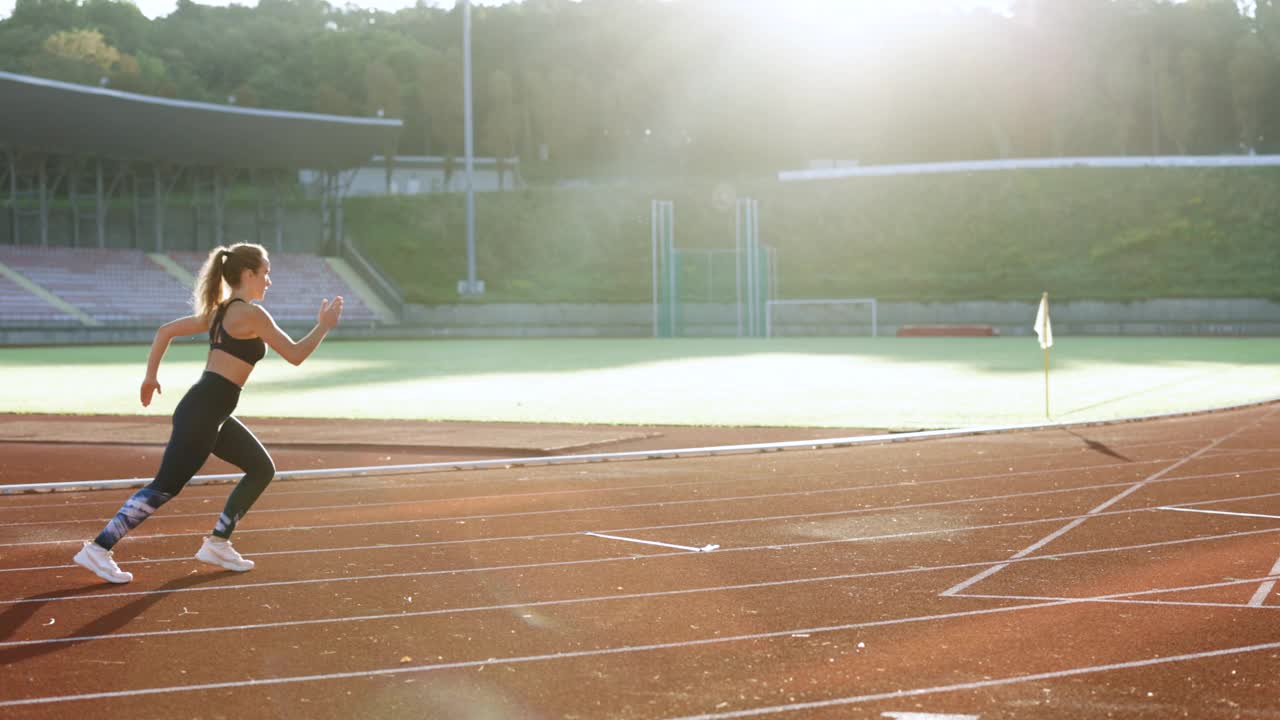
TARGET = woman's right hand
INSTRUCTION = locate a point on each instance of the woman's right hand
(149, 386)
(330, 312)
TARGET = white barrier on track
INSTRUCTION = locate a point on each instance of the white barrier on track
(819, 444)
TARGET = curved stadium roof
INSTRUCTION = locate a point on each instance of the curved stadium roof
(62, 118)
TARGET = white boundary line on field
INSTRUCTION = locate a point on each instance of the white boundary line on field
(820, 444)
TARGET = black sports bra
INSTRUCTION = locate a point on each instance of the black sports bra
(250, 350)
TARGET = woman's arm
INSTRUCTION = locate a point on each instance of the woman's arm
(190, 325)
(265, 327)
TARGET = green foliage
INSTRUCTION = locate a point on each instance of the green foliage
(658, 88)
(1081, 234)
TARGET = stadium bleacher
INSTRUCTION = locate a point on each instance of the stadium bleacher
(115, 287)
(18, 306)
(127, 288)
(298, 284)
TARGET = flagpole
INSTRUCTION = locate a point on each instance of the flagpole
(1046, 383)
(1045, 333)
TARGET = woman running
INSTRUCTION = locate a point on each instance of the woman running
(231, 279)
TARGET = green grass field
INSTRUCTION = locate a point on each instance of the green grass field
(893, 383)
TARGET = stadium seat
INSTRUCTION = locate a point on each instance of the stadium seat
(298, 284)
(126, 288)
(115, 287)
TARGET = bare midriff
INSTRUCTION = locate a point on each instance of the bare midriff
(228, 366)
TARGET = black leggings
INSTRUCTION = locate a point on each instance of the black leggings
(202, 425)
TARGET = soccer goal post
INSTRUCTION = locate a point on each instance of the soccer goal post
(842, 316)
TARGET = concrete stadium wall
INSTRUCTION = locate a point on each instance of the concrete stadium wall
(1236, 317)
(1243, 317)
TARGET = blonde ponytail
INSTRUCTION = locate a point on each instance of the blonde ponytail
(221, 272)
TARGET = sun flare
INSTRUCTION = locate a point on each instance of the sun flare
(842, 23)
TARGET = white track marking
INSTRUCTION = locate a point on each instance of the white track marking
(366, 489)
(926, 716)
(520, 659)
(1264, 590)
(405, 483)
(680, 645)
(766, 518)
(525, 537)
(1217, 512)
(771, 546)
(1132, 594)
(704, 548)
(1119, 601)
(979, 684)
(509, 463)
(658, 503)
(628, 596)
(456, 518)
(1099, 509)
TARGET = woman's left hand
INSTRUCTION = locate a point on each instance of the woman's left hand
(149, 386)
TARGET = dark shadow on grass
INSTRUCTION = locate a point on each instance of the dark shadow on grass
(18, 615)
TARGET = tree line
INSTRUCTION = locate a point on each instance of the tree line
(615, 88)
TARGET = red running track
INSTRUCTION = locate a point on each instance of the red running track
(1120, 571)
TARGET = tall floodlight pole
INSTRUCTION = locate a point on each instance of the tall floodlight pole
(470, 286)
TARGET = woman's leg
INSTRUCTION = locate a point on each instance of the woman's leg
(238, 446)
(195, 430)
(193, 438)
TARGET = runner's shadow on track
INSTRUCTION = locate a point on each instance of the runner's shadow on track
(18, 615)
(1097, 446)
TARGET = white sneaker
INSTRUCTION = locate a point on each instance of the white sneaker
(220, 553)
(100, 561)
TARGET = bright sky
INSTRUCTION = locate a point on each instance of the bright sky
(847, 8)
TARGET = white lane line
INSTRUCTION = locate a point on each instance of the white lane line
(980, 684)
(1124, 600)
(462, 499)
(455, 518)
(1217, 512)
(1120, 601)
(516, 659)
(659, 503)
(528, 462)
(773, 479)
(543, 536)
(664, 646)
(407, 483)
(958, 587)
(134, 538)
(927, 716)
(1264, 590)
(961, 587)
(704, 548)
(1134, 593)
(661, 593)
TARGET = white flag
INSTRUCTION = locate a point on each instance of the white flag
(1044, 330)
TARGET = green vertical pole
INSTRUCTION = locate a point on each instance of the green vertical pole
(665, 290)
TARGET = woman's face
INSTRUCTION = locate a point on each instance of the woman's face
(256, 282)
